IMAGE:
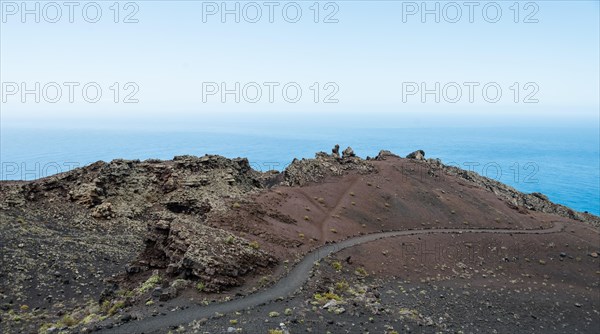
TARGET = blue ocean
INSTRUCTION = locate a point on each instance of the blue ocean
(562, 163)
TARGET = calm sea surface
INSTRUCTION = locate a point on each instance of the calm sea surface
(561, 163)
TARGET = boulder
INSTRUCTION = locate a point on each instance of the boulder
(348, 153)
(335, 151)
(416, 155)
(384, 154)
(168, 294)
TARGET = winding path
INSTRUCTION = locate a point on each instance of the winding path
(292, 281)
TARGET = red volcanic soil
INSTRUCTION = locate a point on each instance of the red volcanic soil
(399, 195)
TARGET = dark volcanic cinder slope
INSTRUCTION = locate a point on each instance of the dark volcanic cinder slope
(123, 241)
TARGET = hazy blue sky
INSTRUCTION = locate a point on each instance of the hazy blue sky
(373, 49)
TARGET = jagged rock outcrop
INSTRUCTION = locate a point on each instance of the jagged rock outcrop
(384, 154)
(301, 172)
(192, 250)
(513, 197)
(416, 155)
(348, 153)
(183, 184)
(335, 151)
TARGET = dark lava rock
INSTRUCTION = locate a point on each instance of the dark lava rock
(133, 269)
(157, 292)
(216, 257)
(348, 153)
(168, 294)
(301, 172)
(416, 155)
(335, 151)
(384, 154)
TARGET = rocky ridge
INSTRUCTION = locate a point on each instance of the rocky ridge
(304, 171)
(514, 198)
